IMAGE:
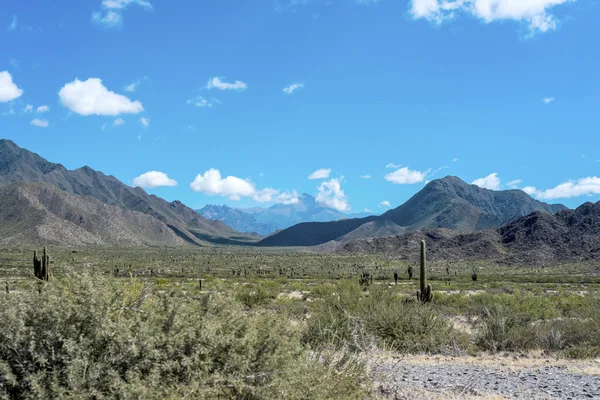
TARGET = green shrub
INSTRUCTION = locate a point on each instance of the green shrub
(100, 337)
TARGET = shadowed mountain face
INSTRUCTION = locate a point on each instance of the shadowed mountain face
(41, 213)
(537, 238)
(443, 203)
(18, 165)
(265, 221)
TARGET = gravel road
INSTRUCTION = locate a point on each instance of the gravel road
(464, 377)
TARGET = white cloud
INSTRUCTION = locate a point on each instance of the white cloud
(119, 122)
(153, 179)
(43, 109)
(144, 121)
(213, 184)
(454, 159)
(532, 12)
(120, 4)
(385, 204)
(13, 23)
(392, 165)
(406, 176)
(292, 88)
(8, 90)
(332, 195)
(217, 83)
(366, 176)
(132, 87)
(322, 173)
(580, 187)
(513, 184)
(90, 97)
(109, 19)
(439, 169)
(40, 123)
(367, 210)
(547, 100)
(28, 108)
(200, 101)
(491, 182)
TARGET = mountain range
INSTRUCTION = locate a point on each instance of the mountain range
(443, 203)
(537, 238)
(21, 165)
(265, 221)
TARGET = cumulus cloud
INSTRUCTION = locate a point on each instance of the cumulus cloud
(547, 100)
(8, 89)
(406, 176)
(574, 188)
(217, 83)
(292, 88)
(153, 179)
(43, 109)
(213, 184)
(90, 97)
(332, 195)
(532, 12)
(200, 101)
(491, 182)
(322, 173)
(40, 123)
(385, 204)
(144, 121)
(119, 122)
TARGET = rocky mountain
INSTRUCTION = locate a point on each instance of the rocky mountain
(21, 165)
(265, 221)
(537, 238)
(443, 203)
(39, 213)
(237, 219)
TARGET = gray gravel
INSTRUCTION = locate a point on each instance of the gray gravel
(548, 382)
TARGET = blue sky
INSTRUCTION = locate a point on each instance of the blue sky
(239, 102)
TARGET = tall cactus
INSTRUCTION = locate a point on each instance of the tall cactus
(41, 267)
(425, 295)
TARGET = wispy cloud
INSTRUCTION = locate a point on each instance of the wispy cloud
(201, 102)
(144, 121)
(43, 109)
(112, 13)
(118, 122)
(366, 176)
(514, 183)
(547, 100)
(393, 165)
(292, 88)
(40, 123)
(322, 173)
(13, 23)
(217, 83)
(132, 87)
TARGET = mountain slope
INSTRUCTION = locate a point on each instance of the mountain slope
(17, 164)
(537, 238)
(443, 203)
(32, 213)
(237, 219)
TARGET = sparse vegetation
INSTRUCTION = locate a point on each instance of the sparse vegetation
(279, 322)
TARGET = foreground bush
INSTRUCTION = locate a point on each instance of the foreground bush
(105, 338)
(349, 317)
